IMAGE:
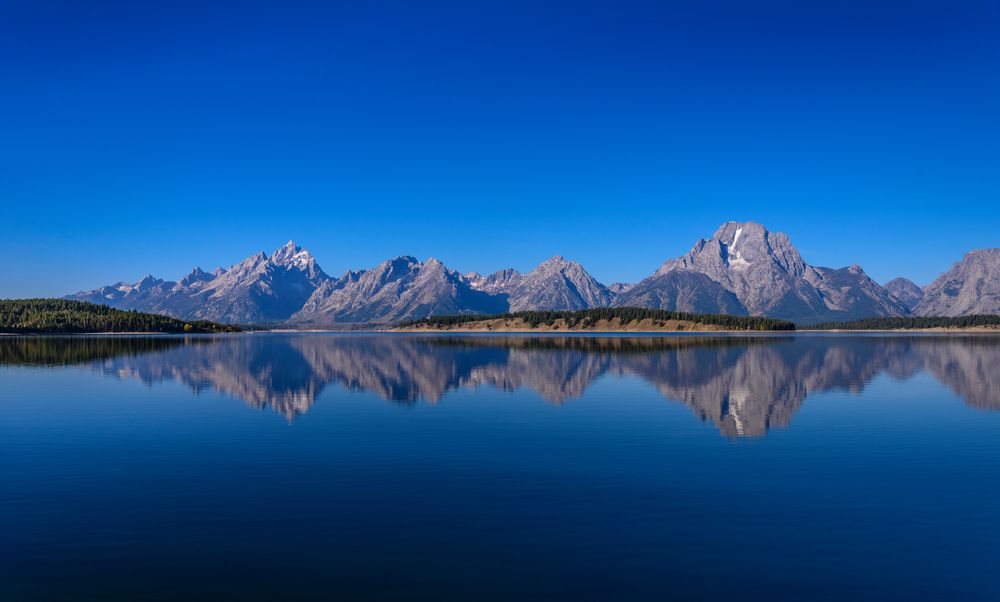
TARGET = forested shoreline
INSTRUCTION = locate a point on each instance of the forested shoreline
(60, 316)
(913, 323)
(587, 318)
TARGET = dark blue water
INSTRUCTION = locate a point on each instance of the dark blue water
(378, 467)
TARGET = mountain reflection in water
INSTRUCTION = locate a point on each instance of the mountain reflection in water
(745, 385)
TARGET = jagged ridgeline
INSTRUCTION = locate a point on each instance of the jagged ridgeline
(742, 270)
(914, 322)
(40, 316)
(622, 316)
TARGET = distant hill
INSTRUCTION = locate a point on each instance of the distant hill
(58, 316)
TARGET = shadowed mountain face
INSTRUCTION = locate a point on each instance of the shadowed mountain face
(743, 385)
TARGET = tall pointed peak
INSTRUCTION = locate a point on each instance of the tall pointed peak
(146, 282)
(292, 255)
(556, 261)
(287, 250)
(196, 275)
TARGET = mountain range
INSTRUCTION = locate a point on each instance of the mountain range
(743, 269)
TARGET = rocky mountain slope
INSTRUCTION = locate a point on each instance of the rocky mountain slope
(682, 291)
(497, 283)
(906, 291)
(971, 286)
(558, 284)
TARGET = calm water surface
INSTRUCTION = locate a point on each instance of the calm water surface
(343, 467)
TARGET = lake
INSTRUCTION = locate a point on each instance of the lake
(425, 467)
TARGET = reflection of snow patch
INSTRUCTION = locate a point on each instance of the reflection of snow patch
(738, 399)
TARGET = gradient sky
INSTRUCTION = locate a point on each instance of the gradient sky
(144, 137)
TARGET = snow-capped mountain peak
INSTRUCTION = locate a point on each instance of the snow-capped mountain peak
(292, 255)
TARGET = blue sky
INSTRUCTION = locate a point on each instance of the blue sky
(151, 137)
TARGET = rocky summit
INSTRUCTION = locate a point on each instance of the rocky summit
(559, 284)
(742, 269)
(906, 291)
(746, 269)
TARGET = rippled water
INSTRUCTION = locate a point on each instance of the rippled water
(264, 467)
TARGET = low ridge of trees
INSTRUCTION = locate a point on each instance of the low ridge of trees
(621, 344)
(56, 316)
(912, 322)
(625, 315)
